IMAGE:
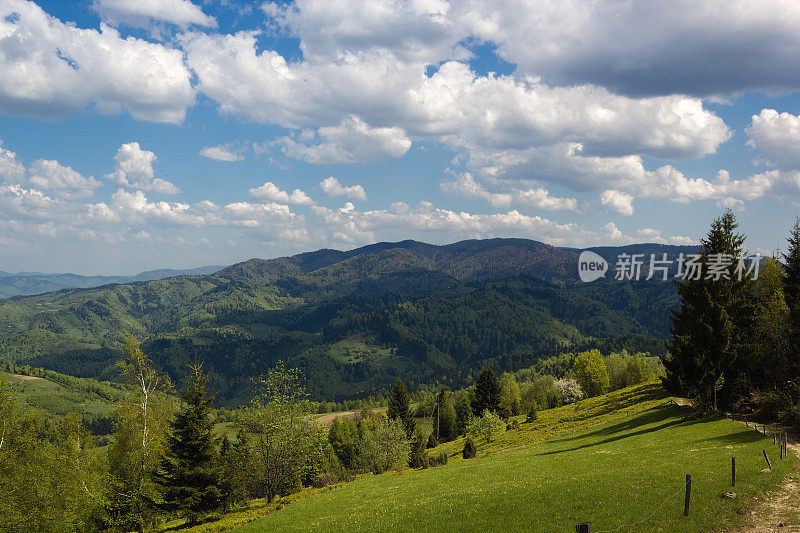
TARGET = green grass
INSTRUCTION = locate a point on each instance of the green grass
(613, 461)
(54, 397)
(358, 349)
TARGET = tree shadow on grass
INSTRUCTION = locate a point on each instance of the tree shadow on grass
(668, 415)
(745, 436)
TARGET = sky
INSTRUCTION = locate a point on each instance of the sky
(141, 134)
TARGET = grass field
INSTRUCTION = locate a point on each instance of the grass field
(54, 397)
(623, 470)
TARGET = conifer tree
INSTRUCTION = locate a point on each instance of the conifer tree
(463, 411)
(190, 473)
(444, 418)
(487, 393)
(791, 286)
(399, 409)
(713, 325)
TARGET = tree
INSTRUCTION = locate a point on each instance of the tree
(234, 459)
(637, 370)
(444, 418)
(399, 409)
(343, 437)
(487, 393)
(418, 458)
(463, 410)
(590, 372)
(769, 363)
(487, 426)
(510, 398)
(791, 282)
(565, 391)
(713, 325)
(142, 419)
(533, 412)
(189, 473)
(277, 425)
(384, 445)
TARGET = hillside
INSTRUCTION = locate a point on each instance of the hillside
(617, 460)
(421, 311)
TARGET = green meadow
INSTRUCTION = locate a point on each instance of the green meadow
(619, 461)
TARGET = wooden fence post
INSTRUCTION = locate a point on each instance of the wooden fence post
(586, 527)
(769, 465)
(688, 494)
(733, 471)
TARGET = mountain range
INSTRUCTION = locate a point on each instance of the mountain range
(29, 283)
(353, 321)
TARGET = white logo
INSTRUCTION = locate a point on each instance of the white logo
(591, 266)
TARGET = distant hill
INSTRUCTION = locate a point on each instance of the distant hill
(29, 283)
(352, 321)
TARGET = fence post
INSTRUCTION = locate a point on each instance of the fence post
(733, 471)
(688, 494)
(769, 465)
(586, 527)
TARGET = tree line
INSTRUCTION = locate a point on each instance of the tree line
(734, 338)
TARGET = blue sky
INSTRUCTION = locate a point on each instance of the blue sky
(166, 133)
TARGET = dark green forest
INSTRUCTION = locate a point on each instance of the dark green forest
(351, 321)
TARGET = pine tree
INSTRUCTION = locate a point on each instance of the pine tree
(399, 409)
(444, 418)
(713, 325)
(463, 410)
(487, 393)
(190, 474)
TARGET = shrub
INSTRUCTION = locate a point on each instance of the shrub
(568, 391)
(470, 450)
(591, 372)
(438, 459)
(487, 426)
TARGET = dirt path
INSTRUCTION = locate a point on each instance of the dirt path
(779, 511)
(327, 419)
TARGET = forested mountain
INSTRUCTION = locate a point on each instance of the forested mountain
(352, 321)
(28, 283)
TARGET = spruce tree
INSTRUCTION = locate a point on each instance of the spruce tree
(487, 393)
(399, 409)
(190, 473)
(791, 287)
(444, 418)
(713, 324)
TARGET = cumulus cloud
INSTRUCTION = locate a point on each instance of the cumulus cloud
(52, 69)
(220, 153)
(331, 187)
(777, 138)
(352, 141)
(133, 168)
(618, 201)
(50, 175)
(270, 191)
(146, 13)
(467, 186)
(11, 169)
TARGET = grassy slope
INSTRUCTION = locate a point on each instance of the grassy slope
(55, 397)
(633, 453)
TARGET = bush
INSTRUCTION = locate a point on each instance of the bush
(470, 450)
(568, 391)
(438, 459)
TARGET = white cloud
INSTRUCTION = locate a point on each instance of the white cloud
(11, 169)
(651, 235)
(134, 169)
(618, 201)
(777, 137)
(270, 191)
(541, 198)
(144, 13)
(331, 187)
(682, 240)
(352, 141)
(466, 186)
(220, 153)
(52, 69)
(50, 175)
